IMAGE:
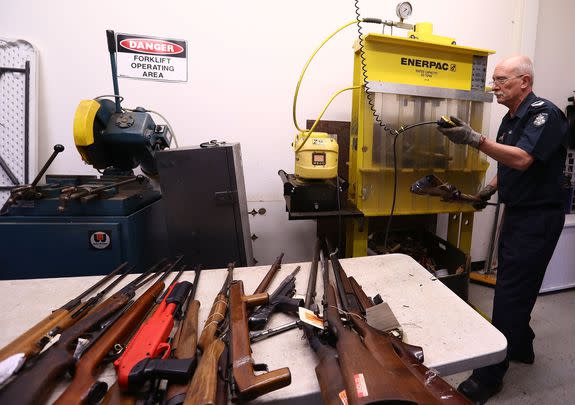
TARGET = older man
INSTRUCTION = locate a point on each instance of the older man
(530, 151)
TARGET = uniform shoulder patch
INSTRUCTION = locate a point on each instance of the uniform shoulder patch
(537, 103)
(540, 119)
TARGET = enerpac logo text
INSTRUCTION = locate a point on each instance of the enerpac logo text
(430, 64)
(100, 240)
(152, 46)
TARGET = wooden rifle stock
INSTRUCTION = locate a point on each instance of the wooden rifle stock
(217, 312)
(203, 387)
(29, 342)
(84, 389)
(264, 284)
(115, 396)
(365, 379)
(248, 385)
(406, 378)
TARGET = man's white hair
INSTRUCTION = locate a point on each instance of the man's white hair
(524, 66)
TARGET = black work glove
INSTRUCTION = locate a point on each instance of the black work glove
(462, 133)
(485, 194)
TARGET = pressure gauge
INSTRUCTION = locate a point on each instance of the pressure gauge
(404, 10)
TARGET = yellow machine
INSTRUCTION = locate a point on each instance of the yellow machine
(316, 156)
(417, 78)
(403, 88)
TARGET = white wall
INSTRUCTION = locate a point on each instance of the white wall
(554, 54)
(244, 61)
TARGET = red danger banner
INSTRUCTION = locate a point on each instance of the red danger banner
(152, 58)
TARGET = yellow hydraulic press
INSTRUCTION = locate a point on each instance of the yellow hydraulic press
(403, 80)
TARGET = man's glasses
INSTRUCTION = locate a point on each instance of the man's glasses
(502, 80)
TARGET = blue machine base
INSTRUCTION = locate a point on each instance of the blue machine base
(40, 247)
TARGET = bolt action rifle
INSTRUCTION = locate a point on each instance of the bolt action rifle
(146, 356)
(31, 342)
(280, 300)
(327, 371)
(203, 387)
(247, 384)
(376, 371)
(84, 387)
(34, 384)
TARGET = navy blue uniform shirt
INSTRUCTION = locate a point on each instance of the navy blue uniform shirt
(540, 129)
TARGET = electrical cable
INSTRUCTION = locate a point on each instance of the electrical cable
(386, 127)
(310, 131)
(338, 211)
(113, 96)
(363, 63)
(370, 97)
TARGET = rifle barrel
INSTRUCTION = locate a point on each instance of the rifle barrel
(311, 282)
(76, 301)
(264, 284)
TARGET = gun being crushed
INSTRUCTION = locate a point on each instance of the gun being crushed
(433, 186)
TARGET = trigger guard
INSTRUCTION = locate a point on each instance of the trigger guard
(164, 348)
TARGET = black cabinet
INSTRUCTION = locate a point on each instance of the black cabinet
(205, 205)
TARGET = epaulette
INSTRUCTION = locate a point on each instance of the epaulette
(538, 103)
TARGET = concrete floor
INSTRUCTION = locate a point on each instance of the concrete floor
(551, 379)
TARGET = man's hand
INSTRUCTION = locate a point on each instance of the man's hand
(485, 194)
(462, 133)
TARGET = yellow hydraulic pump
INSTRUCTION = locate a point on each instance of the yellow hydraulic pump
(316, 156)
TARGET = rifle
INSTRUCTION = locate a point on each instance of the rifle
(146, 355)
(328, 372)
(281, 299)
(202, 389)
(247, 384)
(34, 384)
(264, 284)
(387, 374)
(84, 388)
(185, 344)
(31, 342)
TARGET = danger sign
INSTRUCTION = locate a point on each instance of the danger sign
(150, 58)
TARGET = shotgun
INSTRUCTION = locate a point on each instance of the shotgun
(34, 384)
(145, 357)
(203, 387)
(402, 377)
(185, 343)
(327, 371)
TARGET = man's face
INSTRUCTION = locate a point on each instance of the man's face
(507, 85)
